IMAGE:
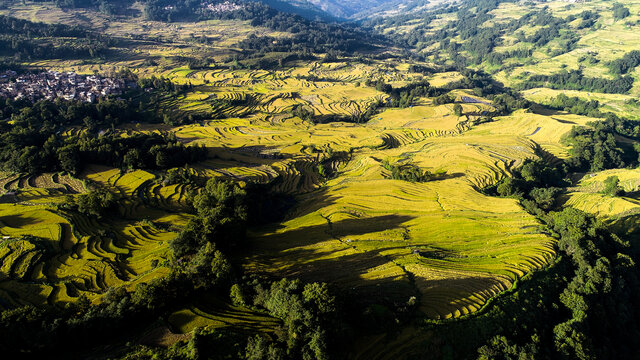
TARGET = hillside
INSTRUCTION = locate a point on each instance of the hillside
(255, 180)
(586, 48)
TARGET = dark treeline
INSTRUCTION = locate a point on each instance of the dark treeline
(30, 29)
(575, 80)
(34, 141)
(59, 113)
(24, 39)
(626, 63)
(34, 152)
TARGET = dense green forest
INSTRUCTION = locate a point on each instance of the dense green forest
(23, 39)
(34, 142)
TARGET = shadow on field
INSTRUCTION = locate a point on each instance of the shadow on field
(448, 176)
(437, 253)
(18, 220)
(353, 273)
(542, 110)
(246, 156)
(324, 252)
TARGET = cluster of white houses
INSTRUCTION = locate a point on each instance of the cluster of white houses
(51, 85)
(222, 7)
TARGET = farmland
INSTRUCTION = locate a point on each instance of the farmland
(588, 195)
(437, 241)
(265, 187)
(386, 230)
(423, 240)
(53, 257)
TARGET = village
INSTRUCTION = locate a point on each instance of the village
(50, 85)
(222, 7)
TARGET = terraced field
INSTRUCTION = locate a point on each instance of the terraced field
(50, 255)
(323, 89)
(442, 241)
(587, 197)
(213, 313)
(397, 239)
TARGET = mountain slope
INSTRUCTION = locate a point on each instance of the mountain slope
(332, 8)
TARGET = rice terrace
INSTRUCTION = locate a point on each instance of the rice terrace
(391, 179)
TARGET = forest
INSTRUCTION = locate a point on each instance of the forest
(23, 39)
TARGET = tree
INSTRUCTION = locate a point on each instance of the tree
(612, 186)
(509, 187)
(545, 198)
(620, 11)
(237, 295)
(132, 159)
(443, 99)
(318, 295)
(96, 203)
(221, 215)
(221, 207)
(69, 159)
(457, 109)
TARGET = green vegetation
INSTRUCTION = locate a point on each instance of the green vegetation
(620, 11)
(285, 187)
(626, 63)
(612, 186)
(575, 80)
(411, 172)
(22, 39)
(32, 142)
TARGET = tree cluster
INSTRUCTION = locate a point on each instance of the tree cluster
(411, 172)
(600, 148)
(575, 80)
(34, 140)
(22, 39)
(626, 63)
(620, 11)
(576, 105)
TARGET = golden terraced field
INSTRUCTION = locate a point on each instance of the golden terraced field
(442, 241)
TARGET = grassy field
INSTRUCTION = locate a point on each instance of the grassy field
(610, 39)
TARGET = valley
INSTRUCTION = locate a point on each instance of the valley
(269, 186)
